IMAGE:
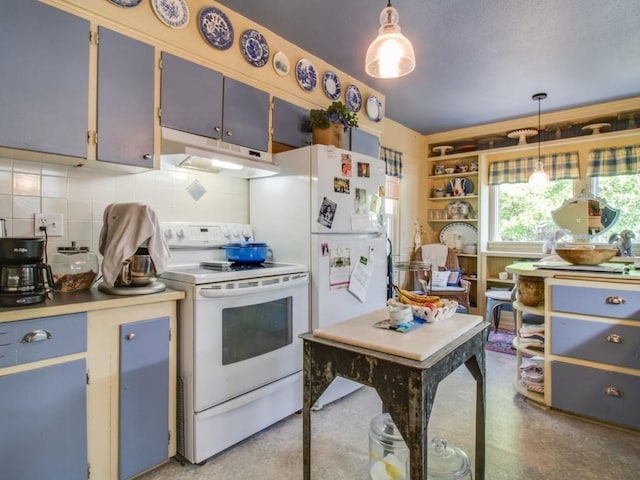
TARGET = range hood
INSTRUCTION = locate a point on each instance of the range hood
(215, 156)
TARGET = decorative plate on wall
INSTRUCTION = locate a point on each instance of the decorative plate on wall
(306, 75)
(173, 13)
(215, 28)
(354, 98)
(374, 108)
(254, 47)
(458, 234)
(331, 85)
(281, 64)
(126, 3)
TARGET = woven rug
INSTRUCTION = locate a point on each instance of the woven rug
(500, 341)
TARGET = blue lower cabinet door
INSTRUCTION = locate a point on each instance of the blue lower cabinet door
(144, 396)
(43, 423)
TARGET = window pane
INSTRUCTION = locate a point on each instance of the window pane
(523, 216)
(621, 192)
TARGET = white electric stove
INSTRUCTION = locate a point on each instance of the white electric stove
(240, 355)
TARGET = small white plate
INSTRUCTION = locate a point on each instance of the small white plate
(281, 64)
(374, 108)
(306, 75)
(173, 13)
(331, 85)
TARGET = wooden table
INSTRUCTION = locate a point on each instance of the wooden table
(404, 368)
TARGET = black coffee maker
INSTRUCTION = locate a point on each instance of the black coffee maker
(24, 278)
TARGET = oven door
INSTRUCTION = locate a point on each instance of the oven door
(246, 335)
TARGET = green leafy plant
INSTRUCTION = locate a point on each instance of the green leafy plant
(336, 112)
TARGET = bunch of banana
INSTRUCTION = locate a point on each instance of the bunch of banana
(412, 298)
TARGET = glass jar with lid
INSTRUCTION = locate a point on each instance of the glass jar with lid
(74, 268)
(389, 455)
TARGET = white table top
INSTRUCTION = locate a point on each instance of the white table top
(417, 344)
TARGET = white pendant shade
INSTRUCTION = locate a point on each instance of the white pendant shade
(390, 55)
(538, 180)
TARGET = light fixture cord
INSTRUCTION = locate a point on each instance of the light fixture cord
(539, 134)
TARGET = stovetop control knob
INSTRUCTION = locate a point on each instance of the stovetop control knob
(180, 233)
(168, 233)
(225, 232)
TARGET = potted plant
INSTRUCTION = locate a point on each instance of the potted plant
(328, 125)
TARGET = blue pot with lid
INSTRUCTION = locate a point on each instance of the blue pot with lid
(246, 252)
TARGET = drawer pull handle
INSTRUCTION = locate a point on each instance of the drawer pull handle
(614, 300)
(614, 392)
(130, 336)
(614, 338)
(37, 336)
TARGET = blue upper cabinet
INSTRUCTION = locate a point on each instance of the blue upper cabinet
(198, 100)
(125, 100)
(246, 115)
(44, 79)
(290, 124)
(365, 143)
(190, 97)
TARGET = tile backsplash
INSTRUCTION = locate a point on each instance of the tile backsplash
(81, 194)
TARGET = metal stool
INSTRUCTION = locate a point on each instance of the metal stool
(496, 299)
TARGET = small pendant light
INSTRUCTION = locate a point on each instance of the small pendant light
(390, 55)
(539, 179)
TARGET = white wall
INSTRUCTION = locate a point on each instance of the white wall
(81, 194)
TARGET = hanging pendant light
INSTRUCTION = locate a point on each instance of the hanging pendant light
(390, 55)
(539, 179)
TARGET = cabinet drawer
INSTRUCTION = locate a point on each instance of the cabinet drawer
(7, 344)
(609, 396)
(596, 301)
(47, 337)
(596, 341)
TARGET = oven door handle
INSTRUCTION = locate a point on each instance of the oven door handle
(259, 287)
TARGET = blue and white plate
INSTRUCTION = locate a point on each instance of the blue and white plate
(254, 47)
(374, 108)
(331, 85)
(354, 99)
(173, 13)
(215, 28)
(281, 64)
(306, 75)
(126, 3)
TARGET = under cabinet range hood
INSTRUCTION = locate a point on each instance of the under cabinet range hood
(215, 156)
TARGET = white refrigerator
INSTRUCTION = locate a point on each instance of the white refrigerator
(326, 210)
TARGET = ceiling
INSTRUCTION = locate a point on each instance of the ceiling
(478, 61)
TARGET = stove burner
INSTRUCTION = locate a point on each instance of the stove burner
(222, 266)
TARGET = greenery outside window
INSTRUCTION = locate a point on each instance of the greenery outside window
(519, 215)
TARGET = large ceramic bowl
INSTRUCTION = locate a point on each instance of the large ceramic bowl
(586, 254)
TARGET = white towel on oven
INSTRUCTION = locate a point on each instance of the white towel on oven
(127, 226)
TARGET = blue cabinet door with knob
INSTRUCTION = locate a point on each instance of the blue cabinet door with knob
(125, 100)
(290, 124)
(44, 79)
(144, 395)
(43, 423)
(190, 97)
(246, 115)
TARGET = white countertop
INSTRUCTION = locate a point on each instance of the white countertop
(417, 344)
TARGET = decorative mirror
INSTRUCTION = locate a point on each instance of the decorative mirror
(585, 216)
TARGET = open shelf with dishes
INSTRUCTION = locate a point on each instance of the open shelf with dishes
(533, 391)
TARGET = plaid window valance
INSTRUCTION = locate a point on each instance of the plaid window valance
(607, 162)
(392, 161)
(559, 166)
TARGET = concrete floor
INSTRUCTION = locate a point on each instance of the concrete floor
(524, 442)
